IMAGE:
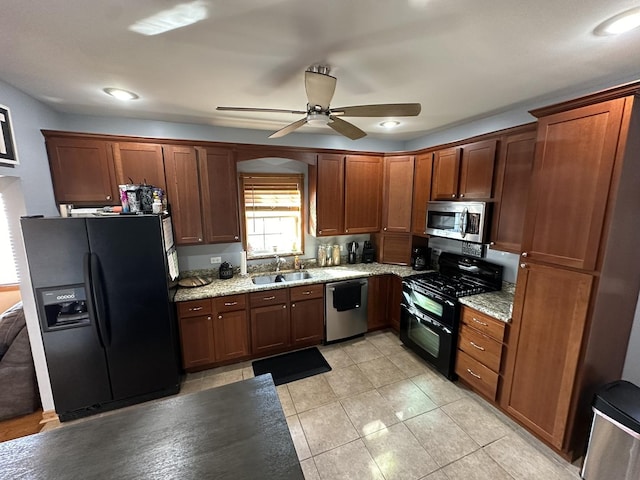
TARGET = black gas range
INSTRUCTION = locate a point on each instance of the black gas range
(430, 309)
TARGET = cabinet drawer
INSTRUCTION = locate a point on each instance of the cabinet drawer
(268, 297)
(194, 308)
(475, 374)
(481, 347)
(305, 292)
(230, 303)
(483, 323)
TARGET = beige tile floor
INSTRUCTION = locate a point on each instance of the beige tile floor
(383, 413)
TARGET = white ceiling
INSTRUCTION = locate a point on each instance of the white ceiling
(460, 59)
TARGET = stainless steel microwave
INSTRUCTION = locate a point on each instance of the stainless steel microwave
(466, 221)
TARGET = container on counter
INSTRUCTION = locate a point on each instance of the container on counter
(322, 256)
(335, 254)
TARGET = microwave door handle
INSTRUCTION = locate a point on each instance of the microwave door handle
(465, 214)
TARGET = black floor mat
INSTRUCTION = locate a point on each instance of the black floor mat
(292, 366)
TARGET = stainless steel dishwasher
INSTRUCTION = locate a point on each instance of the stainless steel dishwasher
(345, 309)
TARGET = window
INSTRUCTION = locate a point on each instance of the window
(8, 270)
(272, 206)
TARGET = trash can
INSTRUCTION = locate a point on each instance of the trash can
(614, 443)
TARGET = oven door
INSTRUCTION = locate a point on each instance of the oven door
(429, 339)
(429, 303)
(457, 220)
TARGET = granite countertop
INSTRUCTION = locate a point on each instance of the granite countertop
(498, 305)
(243, 284)
(235, 431)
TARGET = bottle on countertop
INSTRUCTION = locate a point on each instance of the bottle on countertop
(296, 262)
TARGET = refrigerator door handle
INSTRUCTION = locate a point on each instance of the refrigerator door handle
(86, 271)
(97, 295)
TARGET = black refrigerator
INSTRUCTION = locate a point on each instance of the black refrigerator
(103, 288)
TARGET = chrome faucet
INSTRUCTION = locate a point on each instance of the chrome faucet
(278, 262)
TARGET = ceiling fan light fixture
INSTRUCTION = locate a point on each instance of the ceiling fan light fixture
(120, 94)
(317, 119)
(389, 124)
(623, 22)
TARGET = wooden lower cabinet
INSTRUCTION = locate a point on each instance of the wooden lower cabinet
(479, 354)
(196, 337)
(231, 335)
(394, 300)
(307, 315)
(270, 322)
(377, 294)
(549, 317)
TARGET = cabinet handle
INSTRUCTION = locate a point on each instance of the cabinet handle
(461, 195)
(284, 306)
(209, 317)
(525, 254)
(320, 231)
(492, 243)
(347, 230)
(199, 239)
(293, 305)
(306, 293)
(478, 321)
(195, 309)
(523, 265)
(230, 304)
(269, 298)
(219, 316)
(385, 229)
(474, 374)
(235, 237)
(108, 197)
(453, 195)
(477, 346)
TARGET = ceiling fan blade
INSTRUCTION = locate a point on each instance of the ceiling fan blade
(382, 110)
(289, 128)
(320, 88)
(267, 110)
(347, 129)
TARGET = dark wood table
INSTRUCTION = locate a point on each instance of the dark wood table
(236, 431)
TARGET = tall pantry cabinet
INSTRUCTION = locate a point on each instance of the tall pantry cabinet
(576, 290)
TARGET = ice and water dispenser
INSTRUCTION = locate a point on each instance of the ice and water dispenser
(63, 307)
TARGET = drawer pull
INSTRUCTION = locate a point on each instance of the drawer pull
(195, 309)
(219, 316)
(481, 323)
(306, 293)
(477, 346)
(269, 298)
(230, 304)
(474, 374)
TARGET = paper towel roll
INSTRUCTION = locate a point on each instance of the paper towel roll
(243, 263)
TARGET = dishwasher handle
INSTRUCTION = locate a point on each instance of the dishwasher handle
(332, 289)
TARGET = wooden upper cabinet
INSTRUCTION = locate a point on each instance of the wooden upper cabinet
(397, 194)
(572, 174)
(362, 193)
(139, 163)
(446, 171)
(549, 317)
(326, 194)
(476, 170)
(219, 191)
(183, 192)
(421, 192)
(465, 172)
(513, 179)
(394, 248)
(82, 171)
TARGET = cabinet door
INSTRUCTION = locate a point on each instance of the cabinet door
(329, 195)
(513, 179)
(231, 335)
(196, 337)
(446, 170)
(140, 163)
(572, 173)
(397, 194)
(377, 302)
(307, 322)
(394, 248)
(183, 193)
(362, 194)
(219, 190)
(421, 192)
(395, 298)
(549, 316)
(82, 171)
(476, 170)
(270, 329)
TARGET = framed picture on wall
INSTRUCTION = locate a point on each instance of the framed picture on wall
(8, 153)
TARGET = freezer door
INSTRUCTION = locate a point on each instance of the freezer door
(76, 361)
(130, 272)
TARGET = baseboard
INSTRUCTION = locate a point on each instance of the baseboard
(48, 416)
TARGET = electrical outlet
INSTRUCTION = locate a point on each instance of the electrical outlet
(216, 259)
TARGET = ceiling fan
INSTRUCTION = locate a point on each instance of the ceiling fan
(320, 87)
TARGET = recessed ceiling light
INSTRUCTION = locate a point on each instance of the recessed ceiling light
(620, 23)
(120, 94)
(389, 123)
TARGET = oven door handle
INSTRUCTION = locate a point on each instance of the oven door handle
(465, 215)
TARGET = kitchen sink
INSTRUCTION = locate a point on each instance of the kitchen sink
(280, 277)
